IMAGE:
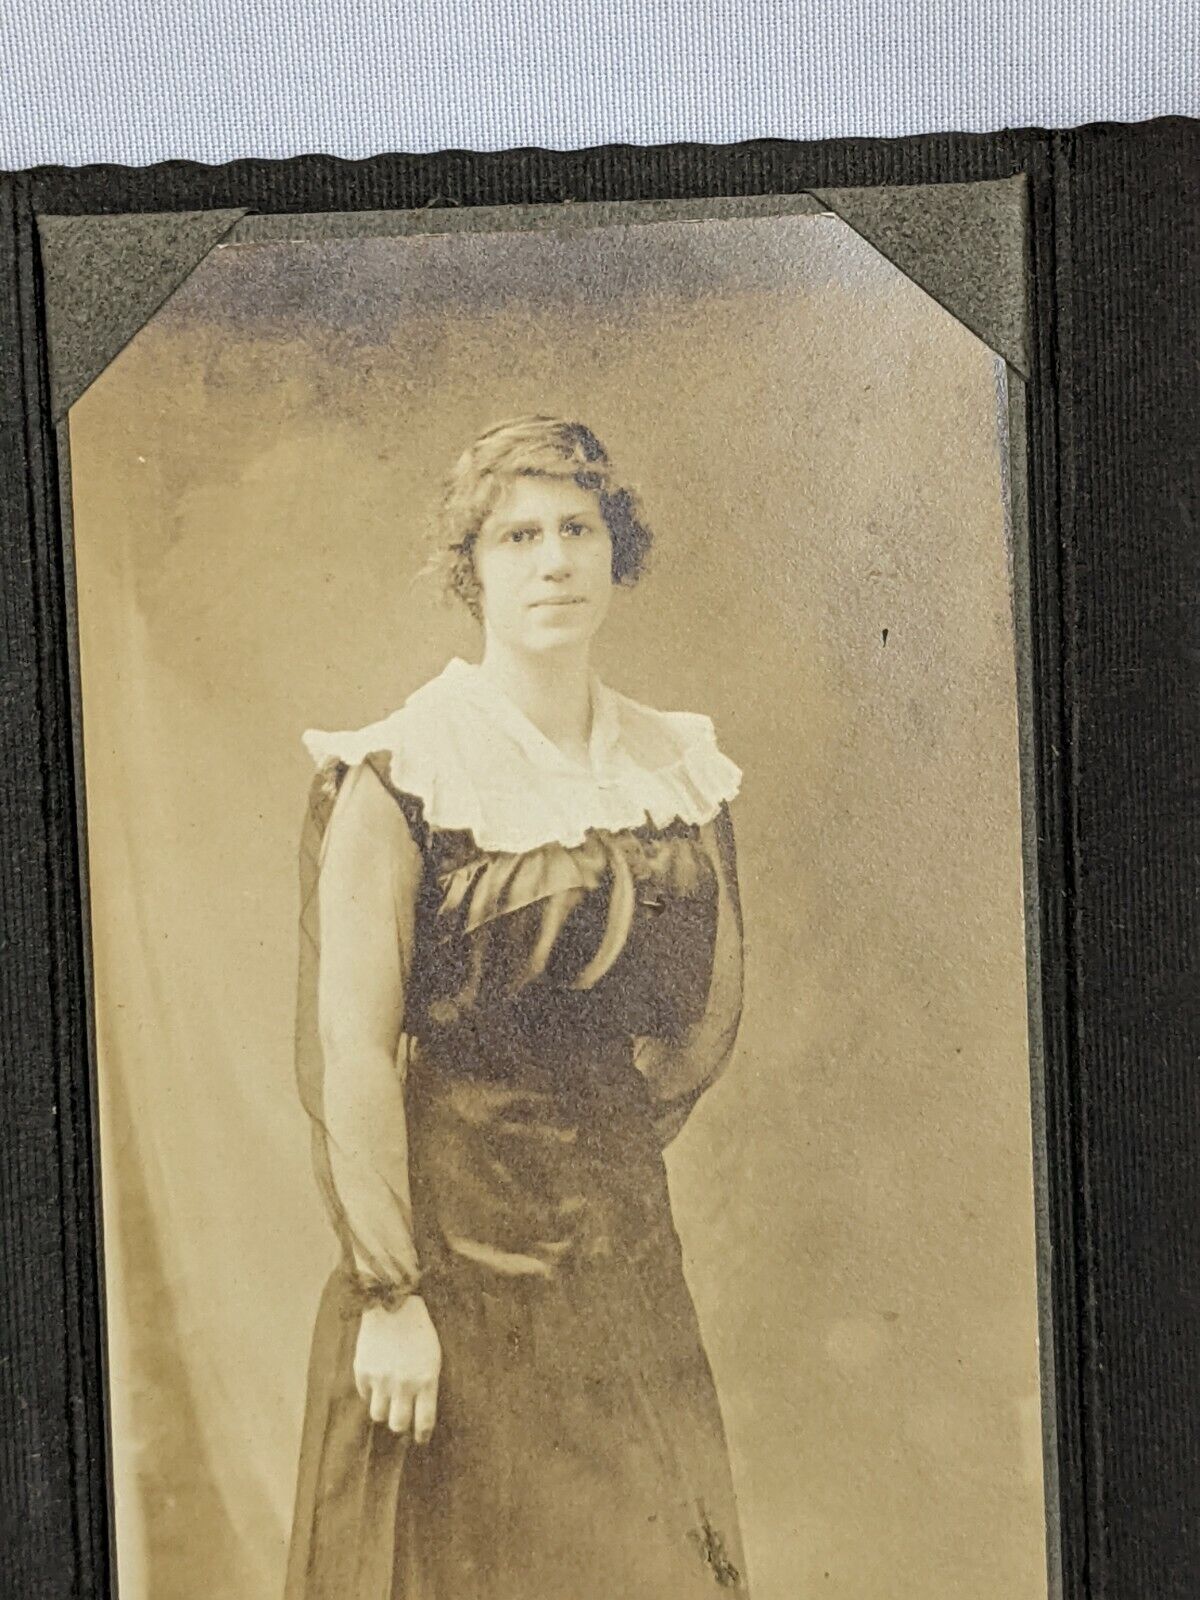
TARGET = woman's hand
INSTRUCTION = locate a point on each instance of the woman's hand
(397, 1362)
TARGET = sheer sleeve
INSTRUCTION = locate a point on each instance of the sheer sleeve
(678, 1071)
(360, 870)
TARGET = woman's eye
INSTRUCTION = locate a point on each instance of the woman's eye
(520, 535)
(576, 528)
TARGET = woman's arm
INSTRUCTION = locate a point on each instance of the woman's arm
(369, 874)
(679, 1071)
(369, 878)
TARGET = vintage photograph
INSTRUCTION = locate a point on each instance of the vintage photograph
(567, 1104)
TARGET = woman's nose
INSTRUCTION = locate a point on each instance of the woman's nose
(554, 557)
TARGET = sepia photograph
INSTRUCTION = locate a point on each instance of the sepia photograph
(552, 712)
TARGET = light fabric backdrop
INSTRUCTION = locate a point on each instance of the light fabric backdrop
(137, 81)
(818, 445)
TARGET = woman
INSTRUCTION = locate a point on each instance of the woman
(521, 966)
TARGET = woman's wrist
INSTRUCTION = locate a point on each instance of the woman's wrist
(380, 1294)
(385, 1296)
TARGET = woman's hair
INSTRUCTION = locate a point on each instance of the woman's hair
(531, 447)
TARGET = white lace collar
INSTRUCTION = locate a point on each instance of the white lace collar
(463, 748)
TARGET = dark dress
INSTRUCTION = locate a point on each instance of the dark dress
(564, 1010)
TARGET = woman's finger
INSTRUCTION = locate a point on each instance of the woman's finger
(379, 1404)
(400, 1414)
(425, 1413)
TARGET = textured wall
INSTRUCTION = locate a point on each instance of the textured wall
(134, 81)
(817, 446)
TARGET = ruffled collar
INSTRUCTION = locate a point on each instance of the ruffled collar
(541, 752)
(476, 762)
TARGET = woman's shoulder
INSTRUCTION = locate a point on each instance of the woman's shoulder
(685, 771)
(469, 769)
(419, 722)
(656, 735)
(424, 752)
(350, 747)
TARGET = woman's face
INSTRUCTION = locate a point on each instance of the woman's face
(543, 560)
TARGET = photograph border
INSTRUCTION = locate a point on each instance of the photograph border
(1113, 254)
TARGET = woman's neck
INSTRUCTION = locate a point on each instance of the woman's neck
(554, 690)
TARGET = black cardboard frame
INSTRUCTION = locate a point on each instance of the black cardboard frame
(1113, 414)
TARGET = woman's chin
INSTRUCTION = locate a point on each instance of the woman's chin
(559, 627)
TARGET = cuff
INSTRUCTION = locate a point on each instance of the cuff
(363, 1293)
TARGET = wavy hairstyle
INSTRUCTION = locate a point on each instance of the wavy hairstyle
(531, 447)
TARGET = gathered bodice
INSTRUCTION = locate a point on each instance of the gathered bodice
(611, 937)
(575, 963)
